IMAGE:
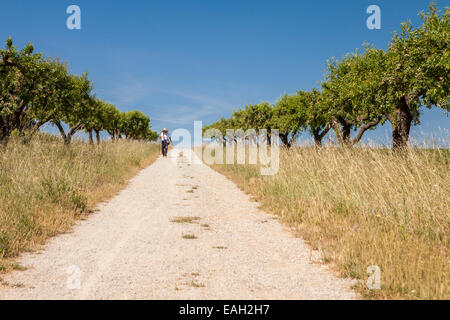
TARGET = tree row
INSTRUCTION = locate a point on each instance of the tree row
(365, 89)
(35, 91)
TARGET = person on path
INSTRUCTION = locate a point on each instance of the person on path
(165, 141)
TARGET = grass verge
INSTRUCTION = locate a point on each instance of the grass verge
(46, 186)
(363, 207)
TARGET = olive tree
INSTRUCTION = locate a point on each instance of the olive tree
(76, 107)
(290, 117)
(28, 86)
(113, 120)
(350, 92)
(136, 125)
(417, 72)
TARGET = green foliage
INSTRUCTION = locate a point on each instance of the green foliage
(136, 125)
(151, 135)
(23, 75)
(363, 90)
(418, 62)
(289, 114)
(350, 94)
(35, 91)
(416, 72)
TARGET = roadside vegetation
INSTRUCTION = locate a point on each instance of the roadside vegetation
(361, 91)
(45, 186)
(362, 206)
(47, 182)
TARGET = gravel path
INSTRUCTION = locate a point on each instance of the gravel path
(135, 247)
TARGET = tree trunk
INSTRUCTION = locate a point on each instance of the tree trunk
(285, 139)
(346, 129)
(317, 140)
(74, 130)
(318, 135)
(6, 128)
(97, 135)
(112, 135)
(4, 138)
(364, 128)
(62, 132)
(342, 130)
(11, 122)
(269, 139)
(4, 134)
(68, 137)
(292, 139)
(118, 135)
(91, 139)
(401, 125)
(33, 131)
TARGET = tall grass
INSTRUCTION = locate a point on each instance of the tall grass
(364, 207)
(45, 186)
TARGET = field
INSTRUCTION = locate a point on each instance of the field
(364, 207)
(46, 186)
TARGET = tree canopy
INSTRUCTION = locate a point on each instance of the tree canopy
(35, 91)
(365, 89)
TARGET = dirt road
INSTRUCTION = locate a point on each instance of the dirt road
(178, 231)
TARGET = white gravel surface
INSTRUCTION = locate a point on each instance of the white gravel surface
(130, 248)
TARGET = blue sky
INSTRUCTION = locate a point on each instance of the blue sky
(181, 61)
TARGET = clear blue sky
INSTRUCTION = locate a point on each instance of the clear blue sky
(181, 61)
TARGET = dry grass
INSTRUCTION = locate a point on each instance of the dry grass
(366, 207)
(45, 186)
(196, 284)
(189, 236)
(185, 219)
